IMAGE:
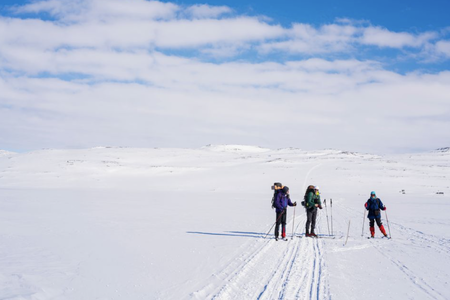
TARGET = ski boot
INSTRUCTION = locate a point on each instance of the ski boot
(372, 232)
(383, 231)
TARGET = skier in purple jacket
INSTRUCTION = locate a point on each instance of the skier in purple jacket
(281, 202)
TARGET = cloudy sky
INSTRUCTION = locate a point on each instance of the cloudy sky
(307, 74)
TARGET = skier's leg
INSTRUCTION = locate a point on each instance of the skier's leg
(277, 226)
(380, 225)
(372, 227)
(283, 225)
(308, 221)
(313, 221)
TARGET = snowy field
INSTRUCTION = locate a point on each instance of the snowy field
(122, 223)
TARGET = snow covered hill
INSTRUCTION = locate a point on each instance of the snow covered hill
(123, 223)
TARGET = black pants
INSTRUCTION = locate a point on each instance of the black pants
(311, 215)
(281, 219)
(372, 222)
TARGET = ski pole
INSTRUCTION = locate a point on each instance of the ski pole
(274, 224)
(293, 221)
(364, 217)
(387, 220)
(331, 209)
(348, 230)
(326, 210)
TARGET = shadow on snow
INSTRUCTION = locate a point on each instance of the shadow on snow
(231, 234)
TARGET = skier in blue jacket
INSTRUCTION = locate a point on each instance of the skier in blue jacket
(281, 202)
(374, 205)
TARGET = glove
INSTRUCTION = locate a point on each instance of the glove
(320, 206)
(384, 208)
(295, 203)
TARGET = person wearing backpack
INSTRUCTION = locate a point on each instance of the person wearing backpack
(281, 203)
(276, 187)
(312, 202)
(374, 206)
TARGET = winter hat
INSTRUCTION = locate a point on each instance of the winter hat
(285, 189)
(372, 193)
(316, 187)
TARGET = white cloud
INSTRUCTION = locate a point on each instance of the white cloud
(304, 38)
(201, 11)
(203, 32)
(343, 37)
(235, 102)
(443, 48)
(384, 38)
(127, 34)
(99, 10)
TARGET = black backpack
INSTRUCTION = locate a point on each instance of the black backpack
(277, 186)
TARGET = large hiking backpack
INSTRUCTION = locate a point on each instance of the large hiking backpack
(304, 203)
(275, 187)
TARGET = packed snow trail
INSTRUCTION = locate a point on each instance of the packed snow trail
(395, 260)
(292, 269)
(297, 269)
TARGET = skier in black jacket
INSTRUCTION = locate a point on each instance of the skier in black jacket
(374, 205)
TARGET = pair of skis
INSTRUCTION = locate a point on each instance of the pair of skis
(328, 224)
(387, 220)
(293, 220)
(383, 237)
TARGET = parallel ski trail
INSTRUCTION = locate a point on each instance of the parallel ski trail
(415, 280)
(441, 245)
(275, 270)
(415, 237)
(280, 276)
(314, 284)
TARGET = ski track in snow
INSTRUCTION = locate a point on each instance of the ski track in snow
(439, 244)
(292, 269)
(415, 237)
(415, 279)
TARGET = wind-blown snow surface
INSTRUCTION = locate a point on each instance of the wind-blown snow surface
(120, 223)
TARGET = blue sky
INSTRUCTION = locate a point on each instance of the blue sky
(76, 74)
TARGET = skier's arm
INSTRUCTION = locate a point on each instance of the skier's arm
(367, 205)
(319, 201)
(290, 202)
(382, 207)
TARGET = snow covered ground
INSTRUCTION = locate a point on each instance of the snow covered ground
(122, 223)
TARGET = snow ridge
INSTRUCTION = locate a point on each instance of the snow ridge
(236, 148)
